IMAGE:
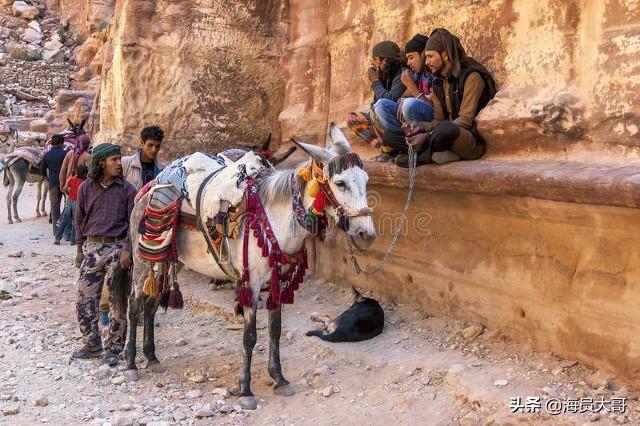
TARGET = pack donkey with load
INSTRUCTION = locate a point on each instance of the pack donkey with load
(271, 212)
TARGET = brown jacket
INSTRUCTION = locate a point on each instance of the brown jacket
(66, 171)
(473, 87)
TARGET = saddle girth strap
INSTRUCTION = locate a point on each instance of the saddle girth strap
(227, 268)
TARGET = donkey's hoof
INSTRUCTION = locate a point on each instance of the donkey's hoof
(284, 390)
(18, 220)
(10, 222)
(131, 375)
(155, 368)
(38, 214)
(248, 402)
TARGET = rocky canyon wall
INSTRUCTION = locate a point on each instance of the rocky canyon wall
(207, 72)
(222, 73)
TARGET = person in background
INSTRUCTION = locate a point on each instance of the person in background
(415, 105)
(461, 89)
(72, 185)
(50, 167)
(141, 167)
(385, 75)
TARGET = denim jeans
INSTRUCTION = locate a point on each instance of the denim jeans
(412, 110)
(66, 221)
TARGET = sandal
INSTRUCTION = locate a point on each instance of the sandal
(383, 157)
(87, 352)
(110, 359)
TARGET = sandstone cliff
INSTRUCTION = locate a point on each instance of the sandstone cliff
(221, 73)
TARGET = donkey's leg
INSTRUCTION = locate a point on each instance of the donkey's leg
(247, 400)
(282, 386)
(135, 306)
(43, 200)
(149, 346)
(16, 196)
(9, 201)
(38, 196)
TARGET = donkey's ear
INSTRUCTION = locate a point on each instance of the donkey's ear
(339, 143)
(82, 123)
(357, 296)
(70, 123)
(319, 154)
(265, 145)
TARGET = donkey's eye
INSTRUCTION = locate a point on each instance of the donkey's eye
(340, 184)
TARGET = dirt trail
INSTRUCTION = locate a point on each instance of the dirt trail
(421, 370)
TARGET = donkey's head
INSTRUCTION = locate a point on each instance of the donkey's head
(8, 140)
(77, 129)
(347, 183)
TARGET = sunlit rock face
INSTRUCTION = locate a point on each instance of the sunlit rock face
(207, 72)
(226, 73)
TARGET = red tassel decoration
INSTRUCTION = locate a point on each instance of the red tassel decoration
(175, 297)
(318, 204)
(245, 296)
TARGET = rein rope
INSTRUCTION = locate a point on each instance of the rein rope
(396, 234)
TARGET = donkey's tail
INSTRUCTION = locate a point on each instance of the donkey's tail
(120, 288)
(5, 177)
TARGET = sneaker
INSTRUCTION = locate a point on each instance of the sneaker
(56, 242)
(87, 352)
(443, 157)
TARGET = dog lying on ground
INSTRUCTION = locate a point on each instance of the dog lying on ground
(362, 321)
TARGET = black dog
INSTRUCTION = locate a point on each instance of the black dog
(362, 321)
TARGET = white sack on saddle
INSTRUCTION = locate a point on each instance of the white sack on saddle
(223, 186)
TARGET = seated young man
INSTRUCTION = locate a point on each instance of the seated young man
(461, 89)
(385, 75)
(416, 105)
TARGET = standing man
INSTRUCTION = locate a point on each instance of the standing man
(50, 166)
(138, 169)
(142, 167)
(105, 202)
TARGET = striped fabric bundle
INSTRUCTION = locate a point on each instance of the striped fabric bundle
(32, 155)
(366, 126)
(159, 225)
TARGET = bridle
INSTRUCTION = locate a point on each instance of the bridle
(320, 175)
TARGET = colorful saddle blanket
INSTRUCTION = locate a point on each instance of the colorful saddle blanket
(32, 155)
(158, 226)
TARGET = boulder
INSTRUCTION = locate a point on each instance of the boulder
(53, 44)
(53, 56)
(32, 36)
(25, 11)
(39, 125)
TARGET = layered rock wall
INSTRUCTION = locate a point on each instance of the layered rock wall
(207, 72)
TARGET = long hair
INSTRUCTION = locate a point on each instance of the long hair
(96, 171)
(390, 68)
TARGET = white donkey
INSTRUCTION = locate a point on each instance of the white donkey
(275, 189)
